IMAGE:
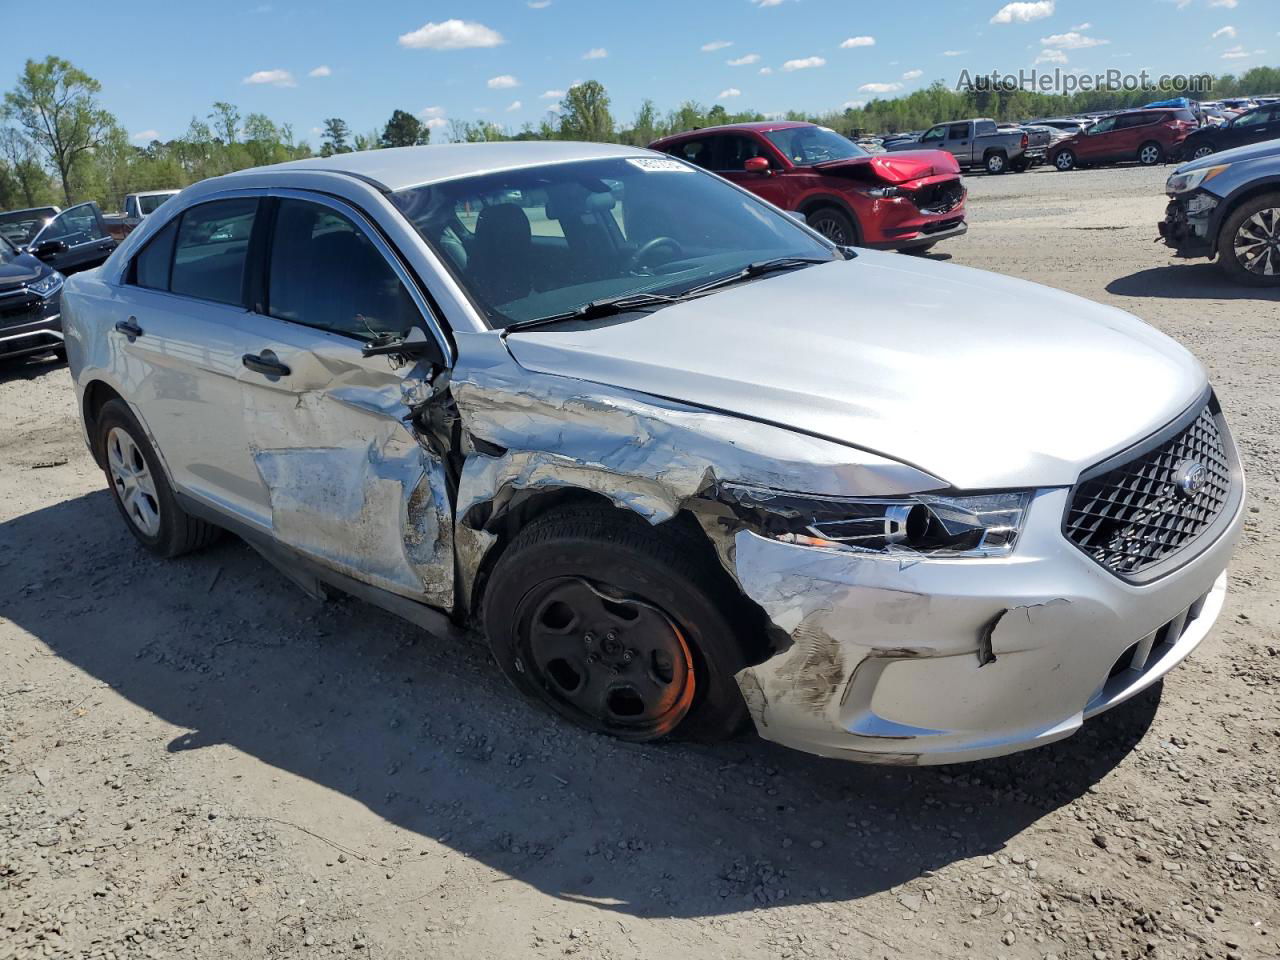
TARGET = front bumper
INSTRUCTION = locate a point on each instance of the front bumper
(944, 661)
(925, 235)
(1188, 224)
(30, 324)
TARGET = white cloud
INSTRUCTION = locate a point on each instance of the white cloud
(1083, 26)
(858, 42)
(731, 92)
(433, 117)
(553, 95)
(1229, 32)
(879, 87)
(954, 53)
(1023, 12)
(765, 71)
(808, 63)
(1228, 4)
(146, 136)
(715, 45)
(515, 105)
(595, 53)
(451, 35)
(746, 61)
(277, 78)
(853, 105)
(913, 75)
(1051, 56)
(504, 82)
(320, 71)
(1240, 53)
(767, 3)
(538, 4)
(1072, 41)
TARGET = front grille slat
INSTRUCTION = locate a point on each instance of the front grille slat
(1133, 516)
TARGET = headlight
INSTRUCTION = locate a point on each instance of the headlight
(881, 193)
(47, 286)
(1186, 182)
(979, 525)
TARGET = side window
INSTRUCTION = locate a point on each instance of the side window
(934, 133)
(211, 249)
(958, 131)
(1255, 119)
(75, 225)
(1102, 126)
(131, 206)
(151, 266)
(326, 273)
(699, 152)
(736, 151)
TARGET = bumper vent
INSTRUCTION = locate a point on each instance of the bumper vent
(1139, 514)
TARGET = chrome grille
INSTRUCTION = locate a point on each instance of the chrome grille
(1135, 515)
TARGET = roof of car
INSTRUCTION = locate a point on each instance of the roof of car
(156, 193)
(398, 168)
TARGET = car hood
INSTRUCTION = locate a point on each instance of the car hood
(1255, 151)
(22, 269)
(981, 380)
(898, 167)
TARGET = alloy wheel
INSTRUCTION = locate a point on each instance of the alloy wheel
(1257, 243)
(831, 228)
(1065, 160)
(616, 664)
(133, 482)
(1202, 152)
(1149, 155)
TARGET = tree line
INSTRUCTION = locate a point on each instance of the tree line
(59, 145)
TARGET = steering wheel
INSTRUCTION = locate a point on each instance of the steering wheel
(636, 260)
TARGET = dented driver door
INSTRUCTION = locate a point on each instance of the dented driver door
(347, 480)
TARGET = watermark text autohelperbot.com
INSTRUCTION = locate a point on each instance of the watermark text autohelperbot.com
(1066, 82)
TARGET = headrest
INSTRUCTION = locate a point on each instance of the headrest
(565, 200)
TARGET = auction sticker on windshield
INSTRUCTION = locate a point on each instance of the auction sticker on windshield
(659, 165)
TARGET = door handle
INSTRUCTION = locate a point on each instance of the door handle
(129, 328)
(265, 363)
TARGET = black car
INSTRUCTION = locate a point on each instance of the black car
(1259, 124)
(68, 240)
(30, 304)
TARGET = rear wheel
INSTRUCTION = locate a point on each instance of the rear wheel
(141, 490)
(1150, 153)
(1249, 243)
(996, 163)
(1064, 160)
(618, 627)
(1020, 166)
(835, 225)
(1202, 151)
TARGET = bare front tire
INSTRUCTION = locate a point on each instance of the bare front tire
(1249, 242)
(617, 626)
(140, 489)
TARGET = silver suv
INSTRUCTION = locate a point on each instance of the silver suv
(683, 461)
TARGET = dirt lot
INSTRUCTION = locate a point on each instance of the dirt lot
(196, 760)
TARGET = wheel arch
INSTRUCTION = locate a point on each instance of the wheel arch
(1233, 200)
(96, 395)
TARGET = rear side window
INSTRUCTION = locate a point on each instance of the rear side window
(960, 131)
(211, 250)
(698, 152)
(151, 266)
(1185, 115)
(984, 127)
(326, 273)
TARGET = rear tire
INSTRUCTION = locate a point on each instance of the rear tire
(619, 627)
(141, 490)
(835, 225)
(1064, 160)
(1249, 242)
(1020, 166)
(1150, 153)
(996, 163)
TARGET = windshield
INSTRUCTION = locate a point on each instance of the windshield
(7, 250)
(21, 226)
(150, 204)
(546, 240)
(806, 146)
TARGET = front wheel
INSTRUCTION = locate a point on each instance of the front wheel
(834, 225)
(996, 163)
(617, 626)
(1149, 154)
(1249, 243)
(1064, 160)
(140, 489)
(1201, 152)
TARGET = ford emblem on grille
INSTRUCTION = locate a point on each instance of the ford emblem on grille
(1190, 476)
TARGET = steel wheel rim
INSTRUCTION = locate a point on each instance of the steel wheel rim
(131, 477)
(1257, 243)
(832, 229)
(613, 663)
(1202, 152)
(1149, 155)
(995, 164)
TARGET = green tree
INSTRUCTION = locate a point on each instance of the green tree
(405, 130)
(226, 121)
(22, 165)
(56, 106)
(335, 136)
(584, 113)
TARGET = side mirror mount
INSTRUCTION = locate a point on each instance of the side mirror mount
(415, 345)
(49, 248)
(756, 165)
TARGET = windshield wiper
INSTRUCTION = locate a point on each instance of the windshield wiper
(608, 307)
(757, 269)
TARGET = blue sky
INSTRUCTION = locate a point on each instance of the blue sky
(162, 62)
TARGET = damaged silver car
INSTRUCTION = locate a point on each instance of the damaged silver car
(683, 461)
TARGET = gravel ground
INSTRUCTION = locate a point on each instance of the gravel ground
(196, 760)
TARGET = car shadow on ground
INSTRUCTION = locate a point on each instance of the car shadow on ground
(426, 734)
(1189, 281)
(26, 368)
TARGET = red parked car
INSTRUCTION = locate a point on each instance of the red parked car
(1148, 136)
(894, 201)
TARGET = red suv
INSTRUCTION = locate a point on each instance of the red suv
(1147, 136)
(893, 201)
